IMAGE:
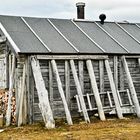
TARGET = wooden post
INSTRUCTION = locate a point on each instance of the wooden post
(67, 82)
(79, 91)
(60, 88)
(95, 89)
(131, 87)
(20, 117)
(44, 103)
(114, 91)
(115, 59)
(11, 84)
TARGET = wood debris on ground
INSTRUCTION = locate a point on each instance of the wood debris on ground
(4, 104)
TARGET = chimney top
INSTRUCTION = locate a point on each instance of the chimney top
(80, 4)
(80, 10)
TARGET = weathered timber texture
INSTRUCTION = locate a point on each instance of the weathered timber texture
(95, 89)
(42, 94)
(131, 87)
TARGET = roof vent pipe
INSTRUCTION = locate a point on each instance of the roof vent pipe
(102, 17)
(80, 10)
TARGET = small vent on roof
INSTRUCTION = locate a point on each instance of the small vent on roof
(102, 17)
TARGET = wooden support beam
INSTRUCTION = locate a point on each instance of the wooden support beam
(114, 91)
(74, 57)
(60, 88)
(20, 117)
(44, 103)
(11, 85)
(95, 89)
(67, 82)
(131, 87)
(79, 91)
(81, 74)
(115, 59)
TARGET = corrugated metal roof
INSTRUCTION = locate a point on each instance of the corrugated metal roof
(42, 35)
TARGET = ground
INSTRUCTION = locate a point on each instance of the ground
(112, 129)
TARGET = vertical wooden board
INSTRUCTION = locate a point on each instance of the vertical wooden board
(60, 88)
(67, 82)
(51, 84)
(79, 91)
(44, 103)
(95, 89)
(131, 87)
(81, 73)
(101, 73)
(11, 84)
(122, 77)
(20, 117)
(115, 58)
(113, 88)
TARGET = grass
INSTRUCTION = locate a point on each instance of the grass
(113, 129)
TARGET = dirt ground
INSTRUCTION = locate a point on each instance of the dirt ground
(113, 129)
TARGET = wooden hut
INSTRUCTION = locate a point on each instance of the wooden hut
(69, 68)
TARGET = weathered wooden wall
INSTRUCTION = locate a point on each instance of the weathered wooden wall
(66, 77)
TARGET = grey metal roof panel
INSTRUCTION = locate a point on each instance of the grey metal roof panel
(97, 34)
(21, 35)
(132, 29)
(128, 42)
(55, 42)
(75, 36)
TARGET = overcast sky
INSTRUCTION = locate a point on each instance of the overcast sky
(115, 10)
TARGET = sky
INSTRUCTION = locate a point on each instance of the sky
(115, 10)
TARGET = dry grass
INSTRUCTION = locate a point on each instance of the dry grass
(128, 129)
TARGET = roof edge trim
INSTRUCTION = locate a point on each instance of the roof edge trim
(15, 47)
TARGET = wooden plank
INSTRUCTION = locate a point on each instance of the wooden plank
(129, 97)
(78, 103)
(67, 82)
(51, 83)
(95, 89)
(139, 62)
(119, 97)
(113, 88)
(60, 88)
(11, 85)
(69, 57)
(20, 117)
(79, 91)
(89, 102)
(81, 74)
(115, 59)
(121, 79)
(101, 74)
(132, 56)
(109, 98)
(44, 103)
(131, 87)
